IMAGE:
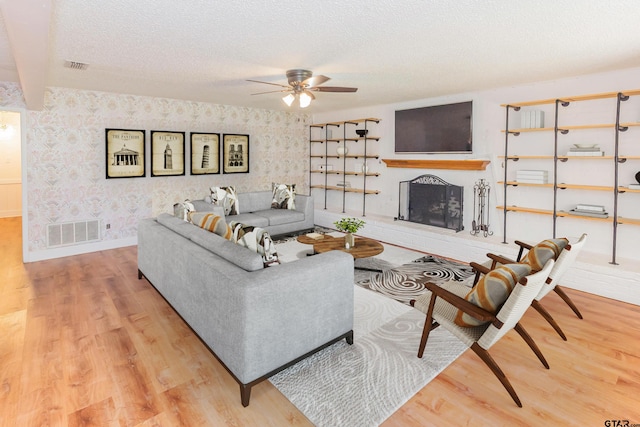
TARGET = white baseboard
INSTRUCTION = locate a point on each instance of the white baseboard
(79, 249)
(592, 273)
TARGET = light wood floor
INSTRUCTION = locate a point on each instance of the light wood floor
(83, 342)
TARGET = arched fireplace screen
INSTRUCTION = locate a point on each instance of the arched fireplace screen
(430, 200)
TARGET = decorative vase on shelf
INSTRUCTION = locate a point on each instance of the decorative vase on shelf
(349, 241)
(638, 177)
(365, 167)
(342, 151)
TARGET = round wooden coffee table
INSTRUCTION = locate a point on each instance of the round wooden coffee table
(362, 248)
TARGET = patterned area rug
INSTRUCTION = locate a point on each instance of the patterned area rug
(406, 282)
(364, 383)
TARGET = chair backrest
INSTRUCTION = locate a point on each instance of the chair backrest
(564, 261)
(514, 308)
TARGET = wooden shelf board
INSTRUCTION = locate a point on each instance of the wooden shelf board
(573, 127)
(467, 164)
(585, 157)
(528, 184)
(371, 119)
(345, 189)
(585, 187)
(337, 172)
(623, 189)
(527, 210)
(516, 157)
(604, 95)
(633, 221)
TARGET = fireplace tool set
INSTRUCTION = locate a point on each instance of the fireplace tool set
(480, 223)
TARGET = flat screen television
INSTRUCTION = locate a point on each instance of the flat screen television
(435, 129)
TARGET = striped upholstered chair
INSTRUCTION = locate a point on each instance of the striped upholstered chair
(443, 304)
(565, 260)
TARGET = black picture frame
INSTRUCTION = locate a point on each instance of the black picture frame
(125, 153)
(167, 153)
(235, 158)
(205, 153)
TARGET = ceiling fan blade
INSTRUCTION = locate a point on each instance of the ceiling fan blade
(269, 83)
(334, 89)
(310, 94)
(272, 91)
(315, 81)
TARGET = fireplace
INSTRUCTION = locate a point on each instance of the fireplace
(430, 200)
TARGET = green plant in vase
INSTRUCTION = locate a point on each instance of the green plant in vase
(349, 226)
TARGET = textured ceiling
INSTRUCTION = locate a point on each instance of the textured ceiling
(392, 50)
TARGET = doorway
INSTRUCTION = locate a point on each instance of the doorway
(10, 168)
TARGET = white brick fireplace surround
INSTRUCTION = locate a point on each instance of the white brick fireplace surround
(592, 272)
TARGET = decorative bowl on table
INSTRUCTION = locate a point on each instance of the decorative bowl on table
(586, 145)
(362, 132)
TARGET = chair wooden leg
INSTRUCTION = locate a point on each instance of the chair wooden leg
(558, 290)
(488, 360)
(428, 326)
(532, 345)
(540, 309)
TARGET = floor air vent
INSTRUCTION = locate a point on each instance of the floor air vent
(72, 233)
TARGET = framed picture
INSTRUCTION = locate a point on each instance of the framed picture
(235, 153)
(205, 153)
(167, 153)
(125, 155)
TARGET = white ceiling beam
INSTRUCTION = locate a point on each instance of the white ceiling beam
(27, 23)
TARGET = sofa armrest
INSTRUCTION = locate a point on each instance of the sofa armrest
(293, 308)
(304, 204)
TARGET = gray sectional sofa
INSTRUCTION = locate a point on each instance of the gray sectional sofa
(255, 209)
(256, 320)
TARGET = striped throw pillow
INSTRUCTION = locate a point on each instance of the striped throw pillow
(211, 222)
(548, 249)
(491, 291)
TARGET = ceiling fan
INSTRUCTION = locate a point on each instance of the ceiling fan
(301, 86)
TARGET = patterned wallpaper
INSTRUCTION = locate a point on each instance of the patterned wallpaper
(65, 152)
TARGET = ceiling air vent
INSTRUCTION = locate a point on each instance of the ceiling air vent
(76, 65)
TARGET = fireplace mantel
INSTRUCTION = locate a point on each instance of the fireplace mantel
(466, 164)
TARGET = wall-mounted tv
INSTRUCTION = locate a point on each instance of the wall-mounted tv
(435, 129)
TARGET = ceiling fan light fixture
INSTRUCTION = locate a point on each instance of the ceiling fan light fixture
(289, 99)
(305, 100)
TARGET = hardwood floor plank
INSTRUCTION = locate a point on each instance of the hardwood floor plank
(83, 342)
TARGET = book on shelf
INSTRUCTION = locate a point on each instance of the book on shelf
(531, 181)
(585, 153)
(576, 149)
(532, 174)
(593, 208)
(532, 171)
(634, 186)
(589, 214)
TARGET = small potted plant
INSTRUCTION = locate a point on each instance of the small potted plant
(349, 226)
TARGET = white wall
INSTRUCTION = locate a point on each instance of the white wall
(10, 169)
(488, 143)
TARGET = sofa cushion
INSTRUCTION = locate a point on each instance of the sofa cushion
(492, 290)
(211, 222)
(254, 201)
(284, 196)
(228, 250)
(255, 219)
(181, 209)
(227, 198)
(548, 249)
(281, 216)
(256, 239)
